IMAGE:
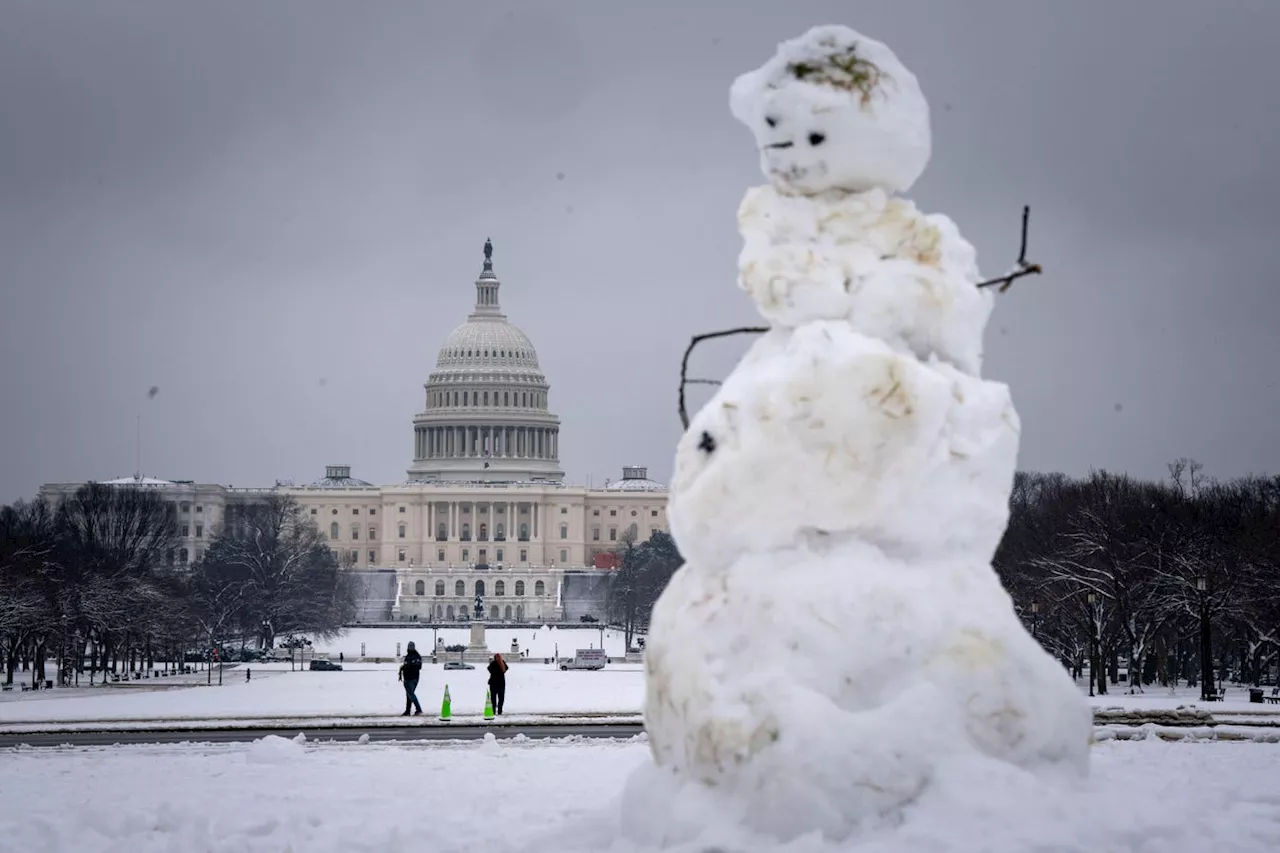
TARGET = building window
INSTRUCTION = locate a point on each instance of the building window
(420, 588)
(564, 556)
(440, 555)
(483, 557)
(373, 512)
(564, 510)
(373, 558)
(439, 587)
(653, 513)
(199, 531)
(595, 534)
(466, 555)
(539, 588)
(373, 533)
(199, 508)
(633, 513)
(613, 534)
(499, 557)
(402, 509)
(524, 533)
(186, 530)
(499, 588)
(355, 511)
(506, 613)
(402, 531)
(484, 532)
(613, 512)
(335, 511)
(596, 513)
(355, 557)
(183, 556)
(313, 510)
(524, 555)
(466, 532)
(400, 555)
(355, 532)
(449, 610)
(564, 531)
(442, 532)
(459, 588)
(506, 398)
(519, 588)
(186, 507)
(500, 534)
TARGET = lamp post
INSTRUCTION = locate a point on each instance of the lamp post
(1093, 643)
(1035, 620)
(1206, 641)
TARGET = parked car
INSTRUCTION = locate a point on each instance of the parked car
(325, 666)
(457, 664)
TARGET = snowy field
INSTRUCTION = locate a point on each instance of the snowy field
(539, 642)
(276, 795)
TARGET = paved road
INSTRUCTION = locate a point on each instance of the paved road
(344, 733)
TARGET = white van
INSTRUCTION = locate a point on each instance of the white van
(586, 659)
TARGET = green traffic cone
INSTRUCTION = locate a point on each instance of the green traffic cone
(488, 705)
(446, 706)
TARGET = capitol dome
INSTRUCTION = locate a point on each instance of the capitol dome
(486, 416)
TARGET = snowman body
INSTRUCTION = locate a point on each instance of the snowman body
(837, 637)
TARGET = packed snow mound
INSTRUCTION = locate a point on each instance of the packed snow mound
(822, 432)
(837, 647)
(274, 749)
(834, 109)
(874, 261)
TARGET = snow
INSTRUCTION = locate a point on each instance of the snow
(523, 795)
(360, 690)
(837, 650)
(541, 643)
(870, 117)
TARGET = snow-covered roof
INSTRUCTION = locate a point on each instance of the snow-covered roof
(339, 477)
(137, 480)
(635, 478)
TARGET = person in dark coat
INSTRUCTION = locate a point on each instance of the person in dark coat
(498, 682)
(410, 670)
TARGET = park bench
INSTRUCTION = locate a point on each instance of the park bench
(1214, 695)
(7, 688)
(1274, 698)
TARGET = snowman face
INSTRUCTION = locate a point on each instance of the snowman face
(835, 110)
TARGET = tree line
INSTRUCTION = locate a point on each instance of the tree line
(644, 569)
(1109, 568)
(90, 583)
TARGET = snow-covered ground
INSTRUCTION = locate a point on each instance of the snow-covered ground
(276, 795)
(539, 642)
(359, 690)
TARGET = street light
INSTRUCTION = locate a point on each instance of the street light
(1035, 620)
(1206, 641)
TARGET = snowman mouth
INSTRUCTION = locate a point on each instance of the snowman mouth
(780, 145)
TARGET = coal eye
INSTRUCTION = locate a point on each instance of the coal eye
(708, 444)
(816, 138)
(771, 121)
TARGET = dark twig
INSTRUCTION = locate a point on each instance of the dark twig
(684, 362)
(1022, 267)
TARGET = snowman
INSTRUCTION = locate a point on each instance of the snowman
(837, 644)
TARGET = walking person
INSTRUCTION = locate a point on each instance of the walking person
(498, 682)
(247, 672)
(409, 672)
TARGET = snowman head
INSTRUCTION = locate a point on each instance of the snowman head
(834, 109)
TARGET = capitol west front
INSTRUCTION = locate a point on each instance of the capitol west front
(484, 509)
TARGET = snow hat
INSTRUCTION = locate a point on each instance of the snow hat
(411, 645)
(834, 109)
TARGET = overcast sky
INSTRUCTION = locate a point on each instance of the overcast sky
(274, 212)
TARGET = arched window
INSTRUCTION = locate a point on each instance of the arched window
(333, 530)
(506, 398)
(524, 533)
(420, 588)
(499, 588)
(519, 612)
(539, 588)
(459, 588)
(524, 398)
(183, 556)
(475, 398)
(466, 532)
(402, 531)
(442, 532)
(455, 402)
(439, 611)
(519, 588)
(501, 534)
(448, 613)
(484, 531)
(486, 398)
(439, 587)
(464, 612)
(479, 587)
(506, 613)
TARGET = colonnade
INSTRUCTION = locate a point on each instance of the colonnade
(507, 442)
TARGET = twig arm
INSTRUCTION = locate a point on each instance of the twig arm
(684, 362)
(1021, 267)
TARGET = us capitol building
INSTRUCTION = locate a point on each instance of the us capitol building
(484, 511)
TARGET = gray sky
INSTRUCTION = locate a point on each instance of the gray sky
(274, 212)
